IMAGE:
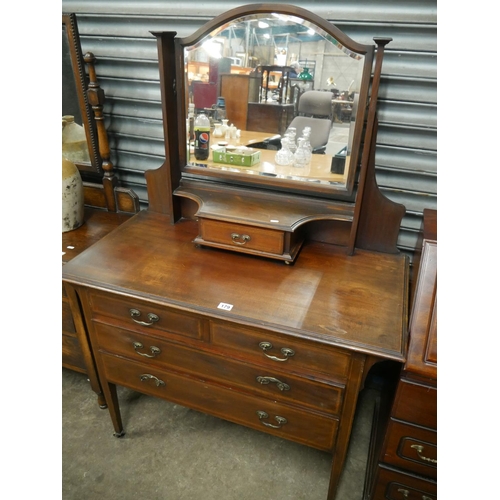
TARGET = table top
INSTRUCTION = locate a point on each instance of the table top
(319, 168)
(358, 302)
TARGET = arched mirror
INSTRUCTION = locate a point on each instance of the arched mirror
(269, 116)
(270, 74)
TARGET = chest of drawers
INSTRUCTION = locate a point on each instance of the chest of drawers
(405, 465)
(281, 349)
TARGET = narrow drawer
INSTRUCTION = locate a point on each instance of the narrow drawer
(276, 350)
(242, 236)
(271, 383)
(397, 485)
(146, 317)
(416, 403)
(309, 428)
(411, 448)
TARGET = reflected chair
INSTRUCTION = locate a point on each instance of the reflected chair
(315, 111)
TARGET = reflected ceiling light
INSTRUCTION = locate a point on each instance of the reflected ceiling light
(263, 24)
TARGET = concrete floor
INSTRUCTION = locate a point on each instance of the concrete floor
(172, 453)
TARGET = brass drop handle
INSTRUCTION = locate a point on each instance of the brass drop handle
(286, 351)
(154, 350)
(405, 493)
(148, 376)
(152, 318)
(240, 239)
(281, 420)
(419, 448)
(279, 384)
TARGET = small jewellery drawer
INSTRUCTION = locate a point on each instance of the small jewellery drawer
(270, 383)
(416, 403)
(242, 236)
(309, 428)
(146, 317)
(397, 485)
(411, 448)
(278, 350)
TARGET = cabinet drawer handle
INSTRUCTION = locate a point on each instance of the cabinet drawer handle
(240, 239)
(281, 420)
(266, 380)
(135, 313)
(419, 448)
(154, 350)
(147, 376)
(405, 493)
(287, 352)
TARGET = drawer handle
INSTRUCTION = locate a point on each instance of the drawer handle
(287, 352)
(147, 376)
(135, 313)
(154, 350)
(266, 380)
(281, 420)
(405, 493)
(419, 448)
(243, 237)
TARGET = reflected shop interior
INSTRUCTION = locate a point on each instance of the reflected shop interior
(281, 96)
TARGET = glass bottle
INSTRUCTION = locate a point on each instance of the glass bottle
(284, 156)
(301, 157)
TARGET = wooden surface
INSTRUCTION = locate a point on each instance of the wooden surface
(149, 257)
(264, 117)
(238, 91)
(201, 327)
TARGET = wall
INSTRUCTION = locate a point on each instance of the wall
(118, 33)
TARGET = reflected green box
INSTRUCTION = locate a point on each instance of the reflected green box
(239, 159)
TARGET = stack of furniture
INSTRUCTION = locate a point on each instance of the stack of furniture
(404, 445)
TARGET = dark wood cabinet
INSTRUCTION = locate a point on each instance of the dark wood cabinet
(404, 444)
(269, 117)
(238, 91)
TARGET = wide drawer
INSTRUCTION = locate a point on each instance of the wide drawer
(273, 350)
(147, 317)
(397, 485)
(416, 403)
(309, 428)
(242, 236)
(411, 448)
(270, 383)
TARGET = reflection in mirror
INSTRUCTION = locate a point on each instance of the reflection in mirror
(282, 98)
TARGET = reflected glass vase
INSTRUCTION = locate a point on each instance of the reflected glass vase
(284, 156)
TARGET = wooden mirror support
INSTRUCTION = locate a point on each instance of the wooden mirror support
(255, 215)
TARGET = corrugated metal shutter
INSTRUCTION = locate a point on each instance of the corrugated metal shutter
(118, 33)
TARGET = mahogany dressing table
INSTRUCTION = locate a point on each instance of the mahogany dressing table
(231, 330)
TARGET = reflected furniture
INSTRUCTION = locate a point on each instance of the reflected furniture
(315, 111)
(191, 300)
(269, 117)
(107, 205)
(404, 443)
(238, 91)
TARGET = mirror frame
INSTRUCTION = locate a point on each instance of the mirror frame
(70, 27)
(344, 192)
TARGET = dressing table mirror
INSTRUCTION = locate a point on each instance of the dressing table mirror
(265, 207)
